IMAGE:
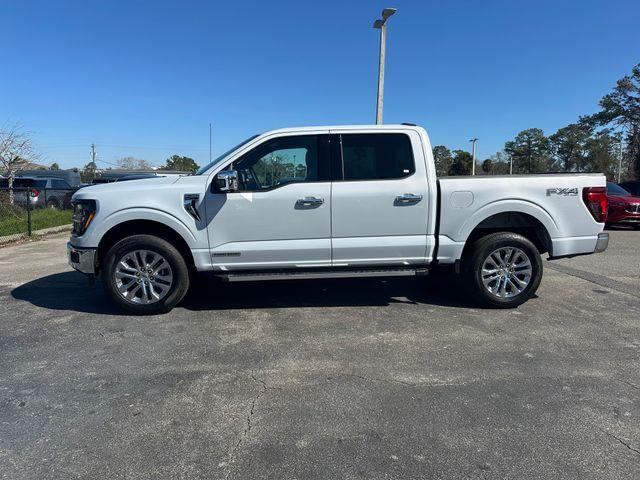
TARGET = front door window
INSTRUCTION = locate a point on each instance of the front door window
(283, 161)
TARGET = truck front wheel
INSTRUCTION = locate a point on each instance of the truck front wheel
(503, 269)
(145, 275)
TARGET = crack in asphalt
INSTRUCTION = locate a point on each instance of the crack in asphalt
(630, 384)
(622, 442)
(248, 425)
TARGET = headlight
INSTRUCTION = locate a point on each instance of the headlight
(83, 212)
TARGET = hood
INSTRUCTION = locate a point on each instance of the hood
(130, 185)
(124, 189)
(629, 199)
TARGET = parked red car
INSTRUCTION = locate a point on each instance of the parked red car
(624, 208)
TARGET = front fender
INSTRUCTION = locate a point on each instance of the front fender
(102, 225)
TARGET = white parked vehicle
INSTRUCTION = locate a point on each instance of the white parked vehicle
(331, 202)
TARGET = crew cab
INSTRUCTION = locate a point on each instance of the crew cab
(336, 201)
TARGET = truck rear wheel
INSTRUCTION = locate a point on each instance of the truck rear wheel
(145, 275)
(503, 269)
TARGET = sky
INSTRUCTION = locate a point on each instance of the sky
(145, 78)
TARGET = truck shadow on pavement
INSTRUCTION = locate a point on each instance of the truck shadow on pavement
(70, 291)
(66, 291)
(441, 290)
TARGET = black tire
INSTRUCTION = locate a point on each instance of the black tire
(479, 252)
(177, 263)
(53, 203)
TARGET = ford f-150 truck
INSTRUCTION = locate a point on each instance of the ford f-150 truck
(331, 202)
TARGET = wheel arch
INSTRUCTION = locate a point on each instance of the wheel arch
(147, 227)
(516, 221)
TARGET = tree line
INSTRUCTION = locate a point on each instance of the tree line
(601, 142)
(174, 163)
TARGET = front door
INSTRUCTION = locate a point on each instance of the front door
(380, 202)
(281, 215)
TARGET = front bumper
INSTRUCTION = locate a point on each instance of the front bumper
(82, 259)
(602, 243)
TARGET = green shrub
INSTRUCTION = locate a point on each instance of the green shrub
(13, 219)
(50, 217)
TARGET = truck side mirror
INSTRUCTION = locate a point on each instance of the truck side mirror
(227, 181)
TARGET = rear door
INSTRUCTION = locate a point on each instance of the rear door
(380, 199)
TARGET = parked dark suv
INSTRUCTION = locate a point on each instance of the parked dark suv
(42, 192)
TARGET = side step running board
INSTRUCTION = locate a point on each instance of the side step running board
(308, 275)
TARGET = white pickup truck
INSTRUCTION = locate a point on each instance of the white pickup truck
(331, 202)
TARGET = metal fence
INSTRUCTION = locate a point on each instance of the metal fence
(26, 212)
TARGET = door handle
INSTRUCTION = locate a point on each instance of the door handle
(407, 198)
(309, 202)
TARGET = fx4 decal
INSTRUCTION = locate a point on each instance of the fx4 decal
(567, 192)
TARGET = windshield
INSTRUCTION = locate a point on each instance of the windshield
(225, 155)
(617, 190)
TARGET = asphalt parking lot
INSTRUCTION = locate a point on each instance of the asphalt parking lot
(374, 379)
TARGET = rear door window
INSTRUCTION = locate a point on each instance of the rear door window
(377, 156)
(60, 184)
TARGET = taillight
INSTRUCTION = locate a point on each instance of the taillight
(595, 198)
(34, 193)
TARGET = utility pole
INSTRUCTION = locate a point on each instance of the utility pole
(209, 142)
(381, 24)
(510, 164)
(473, 155)
(93, 153)
(620, 161)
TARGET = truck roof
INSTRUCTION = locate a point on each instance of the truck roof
(386, 126)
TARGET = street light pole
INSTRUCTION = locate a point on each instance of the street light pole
(473, 155)
(620, 161)
(381, 24)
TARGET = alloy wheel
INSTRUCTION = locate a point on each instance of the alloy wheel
(506, 272)
(143, 277)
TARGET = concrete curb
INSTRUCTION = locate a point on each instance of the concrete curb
(11, 239)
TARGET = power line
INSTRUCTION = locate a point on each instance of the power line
(108, 163)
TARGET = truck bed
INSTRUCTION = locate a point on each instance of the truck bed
(554, 200)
